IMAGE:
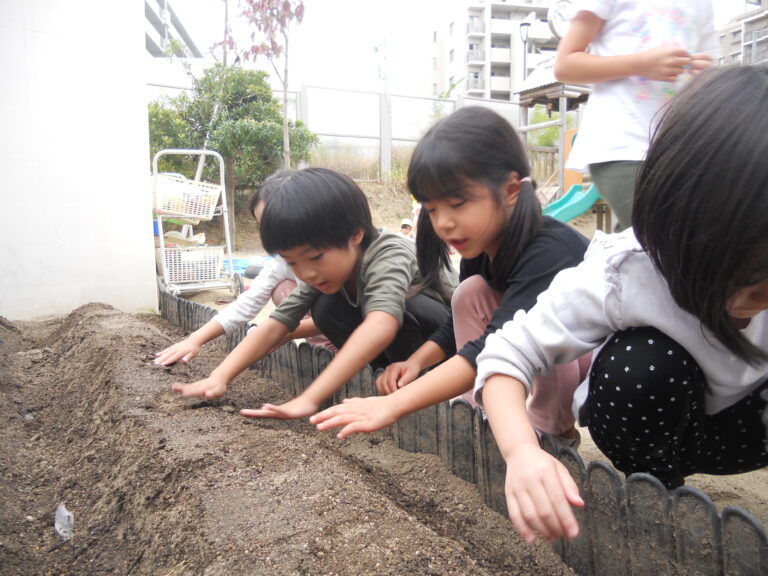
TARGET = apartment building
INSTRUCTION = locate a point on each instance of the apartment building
(164, 32)
(485, 48)
(745, 39)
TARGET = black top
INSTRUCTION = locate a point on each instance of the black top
(557, 246)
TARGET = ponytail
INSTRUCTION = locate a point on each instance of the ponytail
(432, 257)
(523, 226)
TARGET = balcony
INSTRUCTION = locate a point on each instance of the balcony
(475, 29)
(475, 85)
(475, 56)
(501, 55)
(501, 83)
(503, 27)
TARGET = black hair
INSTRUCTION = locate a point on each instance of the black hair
(262, 193)
(472, 145)
(701, 197)
(432, 257)
(315, 207)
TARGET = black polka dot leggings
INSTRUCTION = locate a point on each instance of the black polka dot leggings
(646, 413)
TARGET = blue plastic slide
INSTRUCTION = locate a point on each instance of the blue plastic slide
(575, 202)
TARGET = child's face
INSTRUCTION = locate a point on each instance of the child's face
(749, 301)
(326, 269)
(472, 224)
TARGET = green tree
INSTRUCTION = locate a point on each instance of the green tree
(232, 111)
(547, 137)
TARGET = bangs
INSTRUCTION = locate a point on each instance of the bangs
(438, 173)
(315, 207)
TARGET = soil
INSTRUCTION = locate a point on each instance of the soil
(161, 485)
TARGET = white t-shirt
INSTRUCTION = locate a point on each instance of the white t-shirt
(250, 302)
(619, 115)
(616, 287)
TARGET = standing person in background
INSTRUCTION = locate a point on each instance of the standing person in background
(640, 54)
(406, 228)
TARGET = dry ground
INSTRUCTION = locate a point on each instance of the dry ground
(164, 486)
(160, 485)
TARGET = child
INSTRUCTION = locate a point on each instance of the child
(639, 53)
(355, 279)
(275, 280)
(471, 175)
(406, 226)
(674, 308)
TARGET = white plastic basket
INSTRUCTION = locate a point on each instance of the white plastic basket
(178, 196)
(197, 264)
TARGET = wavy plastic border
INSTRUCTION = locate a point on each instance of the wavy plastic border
(632, 527)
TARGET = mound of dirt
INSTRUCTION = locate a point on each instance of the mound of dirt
(165, 486)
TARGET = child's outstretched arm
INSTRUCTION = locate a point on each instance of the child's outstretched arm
(256, 344)
(539, 489)
(367, 341)
(574, 64)
(188, 348)
(448, 380)
(399, 374)
(238, 313)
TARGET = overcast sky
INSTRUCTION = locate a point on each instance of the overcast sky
(335, 44)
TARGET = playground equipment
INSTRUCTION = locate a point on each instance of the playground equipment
(576, 202)
(187, 265)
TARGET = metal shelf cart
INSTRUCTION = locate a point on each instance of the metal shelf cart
(185, 266)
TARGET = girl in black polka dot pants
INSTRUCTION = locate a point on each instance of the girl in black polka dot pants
(646, 413)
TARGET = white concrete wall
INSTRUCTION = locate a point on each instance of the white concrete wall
(75, 205)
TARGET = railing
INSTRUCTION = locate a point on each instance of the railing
(475, 84)
(628, 528)
(544, 162)
(475, 28)
(475, 56)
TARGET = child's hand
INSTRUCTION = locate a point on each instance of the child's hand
(357, 415)
(396, 376)
(664, 63)
(184, 351)
(210, 387)
(540, 493)
(299, 407)
(700, 62)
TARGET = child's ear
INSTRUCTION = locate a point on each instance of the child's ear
(511, 190)
(357, 237)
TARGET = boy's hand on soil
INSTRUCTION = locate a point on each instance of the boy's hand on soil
(396, 375)
(184, 351)
(540, 493)
(209, 388)
(357, 415)
(299, 407)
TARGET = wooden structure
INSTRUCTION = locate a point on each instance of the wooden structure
(541, 87)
